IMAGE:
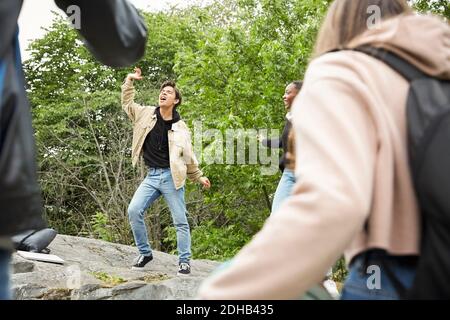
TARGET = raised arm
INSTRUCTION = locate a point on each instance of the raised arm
(128, 105)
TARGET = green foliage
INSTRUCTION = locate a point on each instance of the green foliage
(439, 7)
(60, 66)
(234, 78)
(211, 242)
(340, 271)
(100, 227)
(231, 60)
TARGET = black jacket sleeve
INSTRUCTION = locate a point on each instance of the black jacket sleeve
(112, 30)
(20, 197)
(274, 143)
(9, 13)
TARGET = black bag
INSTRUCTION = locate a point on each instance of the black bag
(428, 120)
(112, 30)
(34, 241)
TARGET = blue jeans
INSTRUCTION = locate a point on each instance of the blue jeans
(5, 291)
(159, 182)
(284, 189)
(362, 282)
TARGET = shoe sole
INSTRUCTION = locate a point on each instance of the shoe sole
(137, 269)
(183, 274)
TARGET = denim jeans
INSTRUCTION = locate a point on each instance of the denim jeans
(362, 282)
(5, 257)
(159, 182)
(284, 189)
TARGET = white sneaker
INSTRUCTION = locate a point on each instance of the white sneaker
(331, 287)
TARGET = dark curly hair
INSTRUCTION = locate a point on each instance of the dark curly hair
(298, 84)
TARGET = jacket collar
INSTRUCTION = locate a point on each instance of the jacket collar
(177, 126)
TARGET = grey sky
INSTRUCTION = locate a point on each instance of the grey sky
(36, 14)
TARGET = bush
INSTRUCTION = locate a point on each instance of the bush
(210, 242)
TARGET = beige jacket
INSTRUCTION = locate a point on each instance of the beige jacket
(352, 168)
(182, 158)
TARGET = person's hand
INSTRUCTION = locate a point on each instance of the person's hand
(137, 75)
(205, 182)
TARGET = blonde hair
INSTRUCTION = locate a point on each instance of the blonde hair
(347, 19)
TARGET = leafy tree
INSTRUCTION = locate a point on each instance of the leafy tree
(234, 79)
(232, 61)
(439, 7)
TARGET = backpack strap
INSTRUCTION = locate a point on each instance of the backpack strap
(410, 73)
(404, 68)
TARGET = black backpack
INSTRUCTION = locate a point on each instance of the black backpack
(34, 240)
(428, 121)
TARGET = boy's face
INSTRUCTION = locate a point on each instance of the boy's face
(167, 97)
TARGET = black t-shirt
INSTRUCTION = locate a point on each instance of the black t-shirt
(156, 144)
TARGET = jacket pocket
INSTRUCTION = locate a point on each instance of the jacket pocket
(180, 149)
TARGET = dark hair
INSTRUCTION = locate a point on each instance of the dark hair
(170, 83)
(298, 84)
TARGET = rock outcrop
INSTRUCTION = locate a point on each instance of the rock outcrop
(96, 270)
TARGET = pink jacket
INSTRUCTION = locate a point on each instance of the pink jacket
(352, 168)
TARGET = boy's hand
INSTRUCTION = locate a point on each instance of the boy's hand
(137, 75)
(205, 182)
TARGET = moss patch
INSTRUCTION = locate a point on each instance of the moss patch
(56, 294)
(155, 277)
(107, 279)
